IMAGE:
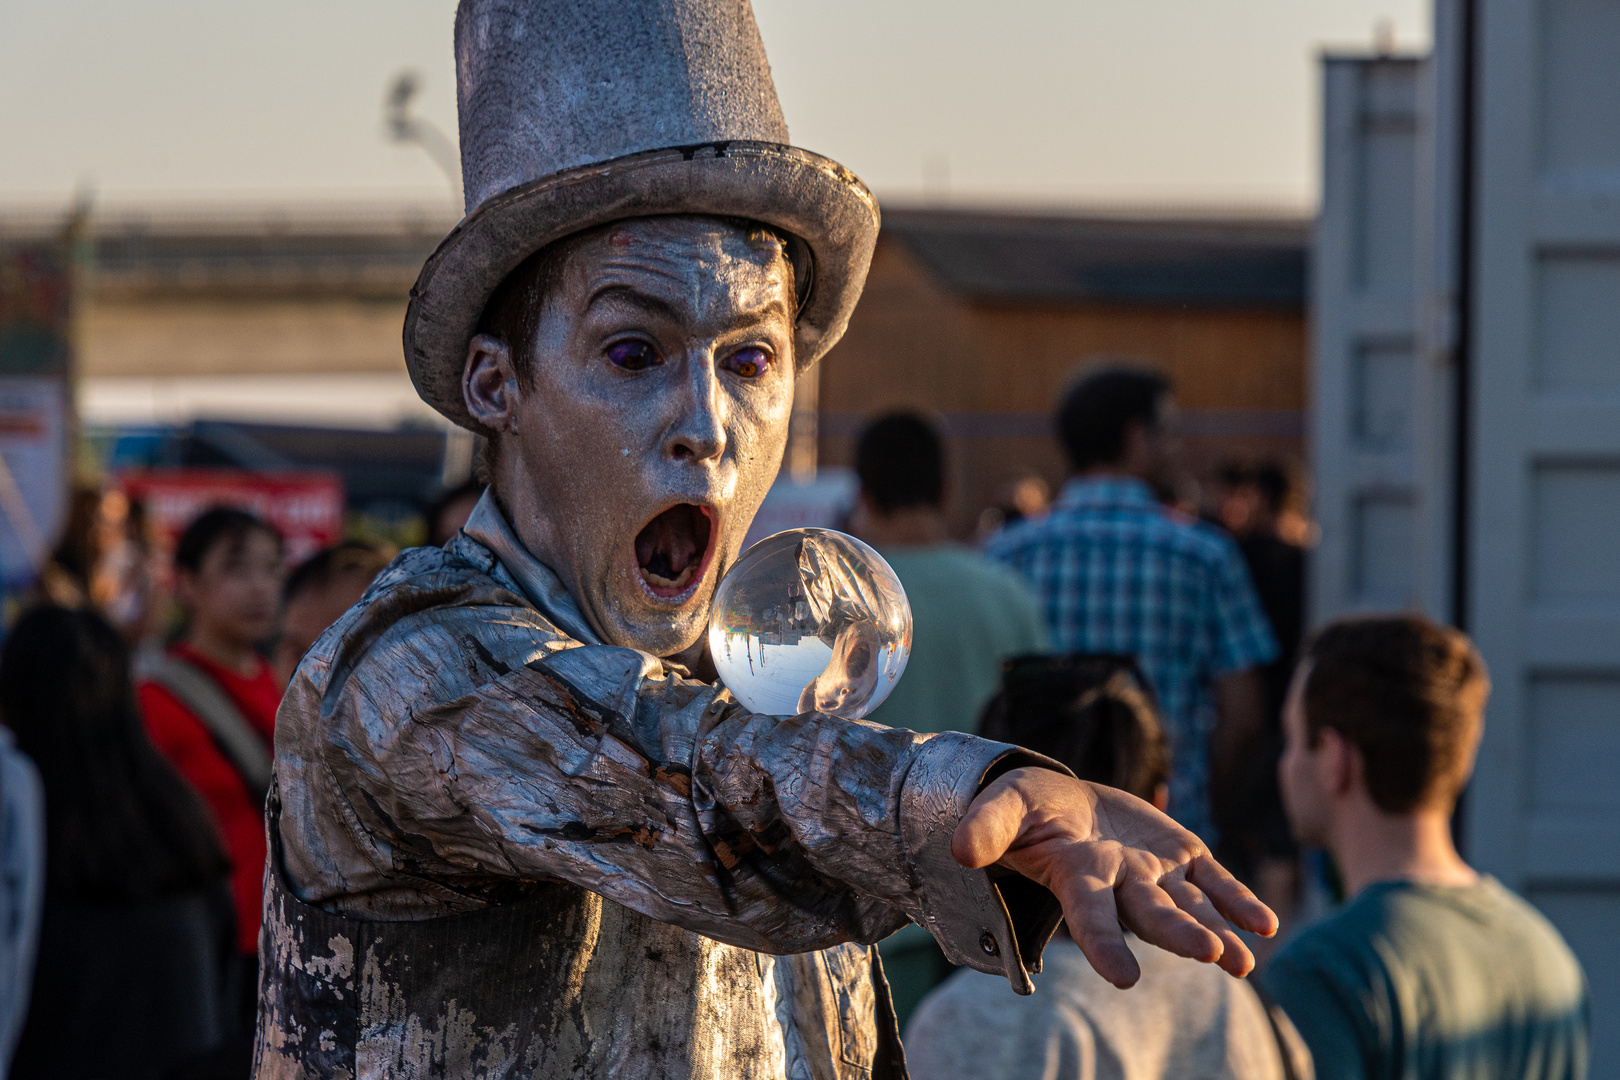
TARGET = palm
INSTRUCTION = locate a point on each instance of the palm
(1112, 859)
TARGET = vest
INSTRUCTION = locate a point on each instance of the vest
(548, 986)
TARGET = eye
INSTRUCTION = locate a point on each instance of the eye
(633, 355)
(750, 363)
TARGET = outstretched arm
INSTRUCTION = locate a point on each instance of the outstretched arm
(1112, 860)
(775, 833)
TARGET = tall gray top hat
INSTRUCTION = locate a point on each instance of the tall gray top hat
(576, 113)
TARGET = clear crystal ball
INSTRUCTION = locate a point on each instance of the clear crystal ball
(810, 619)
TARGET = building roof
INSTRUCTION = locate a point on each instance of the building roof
(1225, 261)
(366, 249)
(378, 249)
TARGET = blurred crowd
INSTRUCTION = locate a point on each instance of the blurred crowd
(139, 689)
(1132, 635)
(1154, 641)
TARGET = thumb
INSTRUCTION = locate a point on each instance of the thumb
(989, 827)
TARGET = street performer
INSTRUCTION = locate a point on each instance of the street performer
(517, 830)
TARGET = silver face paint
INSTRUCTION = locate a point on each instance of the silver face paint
(661, 377)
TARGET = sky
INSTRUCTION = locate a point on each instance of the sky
(1197, 103)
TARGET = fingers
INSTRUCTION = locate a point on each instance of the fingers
(989, 827)
(1093, 920)
(1235, 958)
(1152, 913)
(1231, 897)
(1110, 859)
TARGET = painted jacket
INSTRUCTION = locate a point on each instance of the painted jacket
(461, 740)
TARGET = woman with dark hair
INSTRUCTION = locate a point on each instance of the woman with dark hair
(1096, 714)
(137, 928)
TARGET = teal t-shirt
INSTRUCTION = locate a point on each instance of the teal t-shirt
(1422, 982)
(967, 617)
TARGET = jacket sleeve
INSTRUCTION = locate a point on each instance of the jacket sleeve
(597, 766)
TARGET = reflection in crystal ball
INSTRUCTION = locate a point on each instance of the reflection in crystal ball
(810, 619)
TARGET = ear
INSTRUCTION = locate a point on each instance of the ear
(1136, 434)
(1141, 449)
(489, 385)
(1161, 798)
(861, 514)
(1338, 762)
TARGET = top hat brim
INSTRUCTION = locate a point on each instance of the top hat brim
(808, 196)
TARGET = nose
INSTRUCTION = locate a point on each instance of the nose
(698, 432)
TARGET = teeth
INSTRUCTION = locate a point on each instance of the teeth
(678, 582)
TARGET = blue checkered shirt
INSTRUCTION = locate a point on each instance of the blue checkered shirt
(1116, 572)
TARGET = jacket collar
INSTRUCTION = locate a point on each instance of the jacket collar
(488, 527)
(1089, 491)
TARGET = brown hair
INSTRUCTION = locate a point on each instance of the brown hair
(512, 316)
(1098, 408)
(513, 312)
(1091, 712)
(350, 562)
(227, 525)
(1409, 694)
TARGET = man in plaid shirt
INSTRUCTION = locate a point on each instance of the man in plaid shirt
(1115, 571)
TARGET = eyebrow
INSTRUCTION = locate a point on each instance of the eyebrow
(661, 308)
(632, 297)
(777, 306)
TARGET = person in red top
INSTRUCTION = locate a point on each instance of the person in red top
(210, 703)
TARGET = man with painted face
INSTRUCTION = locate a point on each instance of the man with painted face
(517, 830)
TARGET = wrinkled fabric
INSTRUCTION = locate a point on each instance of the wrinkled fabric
(563, 984)
(461, 739)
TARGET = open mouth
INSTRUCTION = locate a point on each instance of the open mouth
(672, 550)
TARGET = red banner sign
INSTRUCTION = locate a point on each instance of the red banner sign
(305, 507)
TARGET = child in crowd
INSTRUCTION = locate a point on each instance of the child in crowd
(210, 702)
(318, 592)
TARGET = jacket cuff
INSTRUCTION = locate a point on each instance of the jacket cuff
(992, 920)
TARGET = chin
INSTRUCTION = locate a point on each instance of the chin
(256, 632)
(666, 581)
(663, 634)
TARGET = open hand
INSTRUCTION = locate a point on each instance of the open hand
(1111, 858)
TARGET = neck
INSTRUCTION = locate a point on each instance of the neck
(1118, 471)
(912, 526)
(1372, 846)
(224, 651)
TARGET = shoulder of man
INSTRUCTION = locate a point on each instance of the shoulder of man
(436, 620)
(1203, 541)
(1348, 932)
(1329, 981)
(1012, 539)
(1518, 927)
(1015, 598)
(983, 571)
